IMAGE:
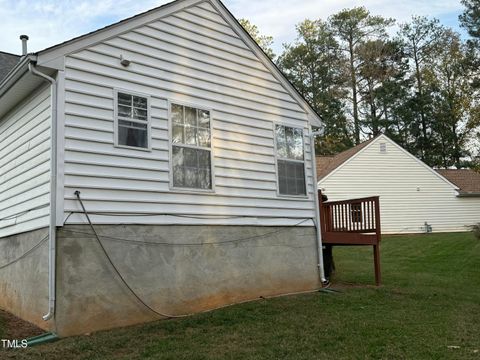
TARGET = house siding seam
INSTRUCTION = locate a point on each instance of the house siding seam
(395, 177)
(192, 56)
(25, 165)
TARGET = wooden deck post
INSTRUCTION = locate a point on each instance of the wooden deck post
(376, 260)
(376, 248)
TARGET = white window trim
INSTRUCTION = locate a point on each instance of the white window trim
(292, 160)
(170, 148)
(115, 122)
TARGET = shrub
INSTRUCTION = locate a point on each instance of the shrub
(476, 230)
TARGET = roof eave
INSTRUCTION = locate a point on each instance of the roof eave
(16, 73)
(468, 194)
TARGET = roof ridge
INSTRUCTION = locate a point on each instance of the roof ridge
(9, 53)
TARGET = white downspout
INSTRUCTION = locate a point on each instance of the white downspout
(53, 192)
(317, 209)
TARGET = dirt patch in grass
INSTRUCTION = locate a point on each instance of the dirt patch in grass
(16, 328)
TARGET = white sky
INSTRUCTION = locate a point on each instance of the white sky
(49, 22)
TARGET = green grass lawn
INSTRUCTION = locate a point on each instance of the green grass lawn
(429, 302)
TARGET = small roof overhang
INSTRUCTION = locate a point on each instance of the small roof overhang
(468, 194)
(19, 83)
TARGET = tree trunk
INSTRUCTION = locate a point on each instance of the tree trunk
(418, 75)
(356, 122)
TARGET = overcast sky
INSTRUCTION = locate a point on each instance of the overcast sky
(49, 22)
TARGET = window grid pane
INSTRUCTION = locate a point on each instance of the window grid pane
(133, 107)
(191, 168)
(291, 173)
(291, 178)
(192, 164)
(132, 133)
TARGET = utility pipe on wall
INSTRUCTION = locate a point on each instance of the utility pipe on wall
(53, 191)
(317, 208)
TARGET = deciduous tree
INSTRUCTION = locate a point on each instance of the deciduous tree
(264, 41)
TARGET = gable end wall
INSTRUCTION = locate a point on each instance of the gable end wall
(192, 56)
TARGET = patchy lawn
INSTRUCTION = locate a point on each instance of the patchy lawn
(428, 308)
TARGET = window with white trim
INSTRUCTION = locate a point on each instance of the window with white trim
(290, 160)
(132, 120)
(191, 147)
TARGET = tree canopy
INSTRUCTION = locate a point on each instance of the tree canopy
(420, 85)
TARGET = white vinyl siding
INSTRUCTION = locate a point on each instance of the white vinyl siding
(25, 165)
(410, 194)
(190, 57)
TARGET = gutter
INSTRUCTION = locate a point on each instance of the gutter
(321, 268)
(468, 194)
(16, 73)
(53, 191)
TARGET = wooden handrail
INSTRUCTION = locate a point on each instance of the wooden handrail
(361, 215)
(351, 200)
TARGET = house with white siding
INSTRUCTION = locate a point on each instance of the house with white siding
(414, 198)
(157, 167)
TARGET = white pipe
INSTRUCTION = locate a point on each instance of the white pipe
(53, 192)
(317, 209)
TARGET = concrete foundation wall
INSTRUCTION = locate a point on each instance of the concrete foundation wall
(24, 284)
(175, 280)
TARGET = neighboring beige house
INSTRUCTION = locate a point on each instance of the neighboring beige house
(412, 194)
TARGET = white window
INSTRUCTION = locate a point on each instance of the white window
(290, 160)
(191, 147)
(132, 120)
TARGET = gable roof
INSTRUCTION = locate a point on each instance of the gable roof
(7, 63)
(339, 160)
(326, 164)
(467, 180)
(48, 56)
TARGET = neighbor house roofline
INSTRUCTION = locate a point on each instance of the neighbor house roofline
(359, 149)
(467, 180)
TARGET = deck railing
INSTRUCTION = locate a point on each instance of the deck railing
(353, 215)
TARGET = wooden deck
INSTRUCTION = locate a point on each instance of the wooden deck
(353, 222)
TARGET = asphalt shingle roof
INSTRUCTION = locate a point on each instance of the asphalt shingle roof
(7, 63)
(467, 180)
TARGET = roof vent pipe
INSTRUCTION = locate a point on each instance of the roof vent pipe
(24, 39)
